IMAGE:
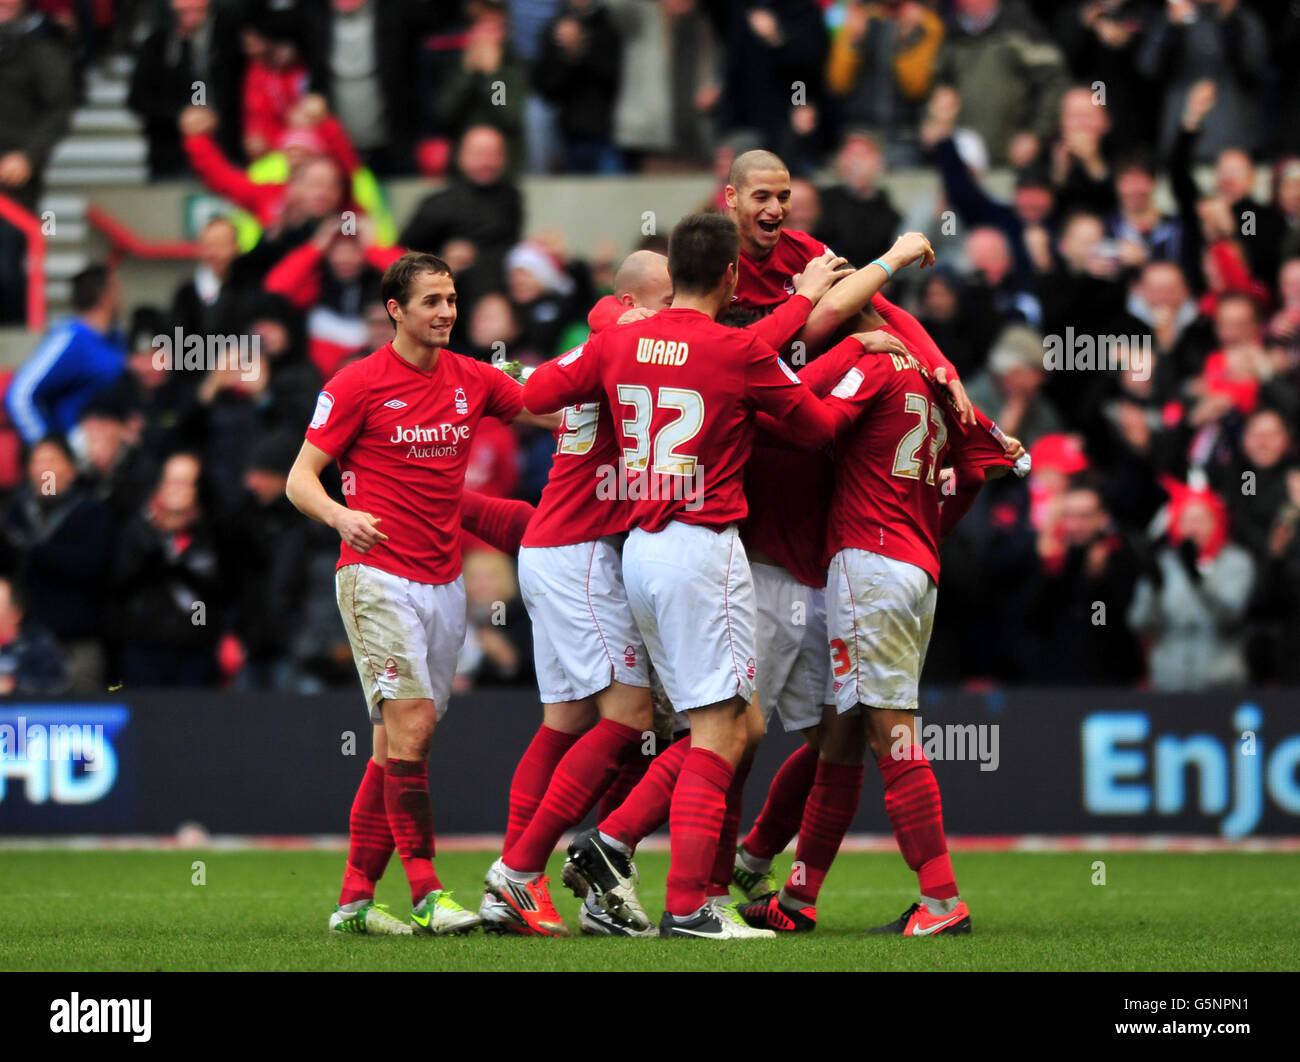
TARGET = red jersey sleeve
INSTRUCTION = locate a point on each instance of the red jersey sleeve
(297, 275)
(823, 373)
(976, 448)
(567, 381)
(913, 334)
(784, 323)
(858, 389)
(505, 395)
(340, 413)
(770, 387)
(605, 313)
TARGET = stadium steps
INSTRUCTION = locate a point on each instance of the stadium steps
(104, 147)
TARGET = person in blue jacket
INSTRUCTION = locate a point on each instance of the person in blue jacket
(75, 360)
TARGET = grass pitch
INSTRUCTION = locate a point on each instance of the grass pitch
(267, 910)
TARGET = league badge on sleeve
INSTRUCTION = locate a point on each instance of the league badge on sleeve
(324, 403)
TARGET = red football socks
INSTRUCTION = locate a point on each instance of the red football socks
(410, 817)
(778, 822)
(831, 805)
(725, 859)
(695, 822)
(916, 813)
(532, 776)
(646, 807)
(370, 841)
(629, 777)
(580, 778)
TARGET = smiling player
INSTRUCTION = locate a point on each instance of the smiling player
(400, 422)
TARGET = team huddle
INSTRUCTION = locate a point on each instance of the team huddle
(786, 449)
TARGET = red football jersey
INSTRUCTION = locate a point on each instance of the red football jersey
(886, 497)
(402, 439)
(789, 491)
(764, 283)
(584, 445)
(684, 390)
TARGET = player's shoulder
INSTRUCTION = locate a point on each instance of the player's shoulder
(802, 243)
(359, 373)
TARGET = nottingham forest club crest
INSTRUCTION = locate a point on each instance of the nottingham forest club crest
(462, 404)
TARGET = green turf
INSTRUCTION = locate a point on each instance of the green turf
(268, 911)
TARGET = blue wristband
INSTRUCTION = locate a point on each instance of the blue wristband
(888, 272)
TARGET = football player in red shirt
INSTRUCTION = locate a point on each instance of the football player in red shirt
(399, 422)
(882, 583)
(687, 390)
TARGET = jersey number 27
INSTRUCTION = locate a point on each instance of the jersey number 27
(907, 460)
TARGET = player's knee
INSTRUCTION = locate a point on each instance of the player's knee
(570, 717)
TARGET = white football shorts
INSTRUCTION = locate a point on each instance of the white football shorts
(583, 631)
(793, 668)
(880, 612)
(405, 635)
(692, 596)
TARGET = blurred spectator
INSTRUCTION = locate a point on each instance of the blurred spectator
(1008, 74)
(1083, 597)
(494, 333)
(479, 205)
(882, 65)
(994, 296)
(498, 638)
(364, 55)
(275, 80)
(540, 288)
(1221, 40)
(76, 360)
(1081, 173)
(36, 98)
(1275, 652)
(212, 300)
(670, 84)
(1260, 225)
(939, 312)
(1255, 483)
(1286, 200)
(1143, 234)
(1161, 305)
(117, 468)
(1010, 388)
(1284, 325)
(262, 619)
(805, 206)
(272, 391)
(488, 89)
(1082, 297)
(30, 664)
(578, 72)
(1193, 596)
(1101, 39)
(775, 54)
(167, 585)
(60, 540)
(332, 277)
(1027, 216)
(857, 218)
(194, 59)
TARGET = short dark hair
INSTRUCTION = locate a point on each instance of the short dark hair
(399, 276)
(1140, 159)
(700, 249)
(88, 287)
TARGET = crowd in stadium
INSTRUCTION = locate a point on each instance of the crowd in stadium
(1155, 540)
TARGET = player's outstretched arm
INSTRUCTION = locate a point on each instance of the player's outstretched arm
(566, 381)
(359, 530)
(854, 292)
